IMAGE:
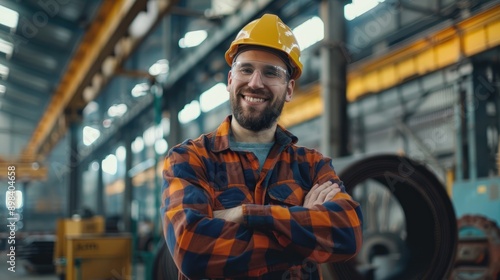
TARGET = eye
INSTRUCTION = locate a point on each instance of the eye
(271, 73)
(246, 70)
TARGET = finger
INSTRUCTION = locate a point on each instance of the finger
(314, 193)
(332, 194)
(308, 195)
(327, 193)
(322, 195)
(336, 186)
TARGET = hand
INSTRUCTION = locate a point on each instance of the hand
(320, 194)
(232, 215)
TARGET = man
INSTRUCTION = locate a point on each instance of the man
(245, 202)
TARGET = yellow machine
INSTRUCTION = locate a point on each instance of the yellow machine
(84, 252)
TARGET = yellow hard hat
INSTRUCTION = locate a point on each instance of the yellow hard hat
(268, 31)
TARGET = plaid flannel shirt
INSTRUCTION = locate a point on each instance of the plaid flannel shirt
(279, 239)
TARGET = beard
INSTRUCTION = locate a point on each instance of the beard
(253, 119)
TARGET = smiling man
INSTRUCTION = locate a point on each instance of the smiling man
(245, 201)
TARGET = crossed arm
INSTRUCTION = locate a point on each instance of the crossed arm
(251, 240)
(318, 194)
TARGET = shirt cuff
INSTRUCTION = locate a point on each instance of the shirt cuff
(257, 215)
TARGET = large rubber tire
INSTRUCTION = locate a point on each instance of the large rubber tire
(431, 224)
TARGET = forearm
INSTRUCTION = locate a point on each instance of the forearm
(208, 247)
(211, 247)
(325, 233)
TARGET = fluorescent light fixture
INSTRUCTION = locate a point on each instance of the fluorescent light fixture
(15, 197)
(9, 17)
(150, 135)
(4, 71)
(90, 135)
(359, 7)
(213, 97)
(161, 146)
(91, 107)
(95, 166)
(6, 47)
(144, 20)
(110, 164)
(159, 68)
(193, 38)
(140, 90)
(121, 153)
(190, 112)
(303, 33)
(165, 126)
(137, 145)
(117, 110)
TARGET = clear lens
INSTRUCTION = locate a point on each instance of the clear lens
(271, 75)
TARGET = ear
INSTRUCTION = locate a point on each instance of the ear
(289, 90)
(229, 81)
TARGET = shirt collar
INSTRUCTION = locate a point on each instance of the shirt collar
(220, 142)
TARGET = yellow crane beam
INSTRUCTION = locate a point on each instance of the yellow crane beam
(109, 20)
(101, 52)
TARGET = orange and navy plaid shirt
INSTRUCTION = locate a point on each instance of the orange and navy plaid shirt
(279, 239)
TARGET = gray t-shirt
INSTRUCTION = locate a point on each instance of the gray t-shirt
(260, 150)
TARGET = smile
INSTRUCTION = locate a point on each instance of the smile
(254, 99)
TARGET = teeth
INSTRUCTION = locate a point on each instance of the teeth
(253, 99)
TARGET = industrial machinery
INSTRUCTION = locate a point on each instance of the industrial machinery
(84, 251)
(36, 253)
(478, 252)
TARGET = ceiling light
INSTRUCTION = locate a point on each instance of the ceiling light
(110, 164)
(90, 135)
(213, 97)
(137, 145)
(9, 17)
(140, 90)
(121, 153)
(4, 71)
(193, 38)
(160, 67)
(190, 112)
(305, 37)
(91, 107)
(359, 7)
(161, 146)
(6, 47)
(117, 110)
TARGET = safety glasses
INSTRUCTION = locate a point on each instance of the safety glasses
(270, 75)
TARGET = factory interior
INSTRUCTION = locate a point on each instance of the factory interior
(403, 95)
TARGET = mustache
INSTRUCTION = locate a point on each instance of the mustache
(262, 92)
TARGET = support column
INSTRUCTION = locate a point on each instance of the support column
(334, 142)
(128, 192)
(482, 121)
(101, 210)
(74, 191)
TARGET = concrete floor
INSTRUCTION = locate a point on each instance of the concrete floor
(22, 274)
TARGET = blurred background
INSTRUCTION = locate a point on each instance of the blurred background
(93, 93)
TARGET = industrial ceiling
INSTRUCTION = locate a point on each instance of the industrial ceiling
(51, 59)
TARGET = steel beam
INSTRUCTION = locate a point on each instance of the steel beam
(109, 26)
(24, 171)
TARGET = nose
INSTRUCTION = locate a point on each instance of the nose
(256, 80)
